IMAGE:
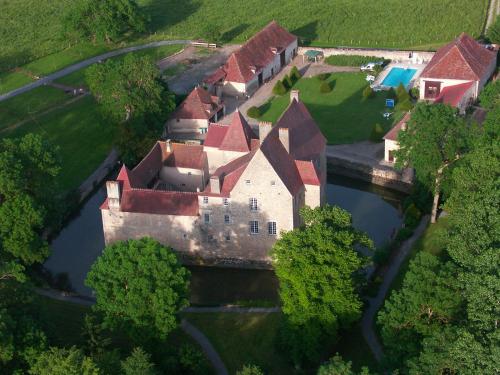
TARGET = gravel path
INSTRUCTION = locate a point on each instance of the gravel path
(367, 322)
(207, 347)
(83, 64)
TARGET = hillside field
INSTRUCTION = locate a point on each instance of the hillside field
(31, 29)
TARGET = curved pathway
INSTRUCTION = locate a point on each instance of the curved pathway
(368, 320)
(83, 64)
(207, 347)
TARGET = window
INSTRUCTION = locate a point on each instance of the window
(253, 204)
(271, 228)
(225, 202)
(189, 173)
(254, 227)
(227, 219)
(205, 200)
(247, 182)
(227, 237)
(203, 130)
(206, 218)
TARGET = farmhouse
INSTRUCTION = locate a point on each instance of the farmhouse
(258, 60)
(195, 113)
(457, 73)
(227, 200)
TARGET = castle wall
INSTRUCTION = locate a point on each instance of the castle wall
(186, 125)
(217, 158)
(185, 179)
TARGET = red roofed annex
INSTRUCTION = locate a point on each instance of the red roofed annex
(225, 200)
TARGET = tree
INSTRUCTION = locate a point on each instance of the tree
(129, 88)
(490, 96)
(401, 93)
(138, 363)
(434, 140)
(325, 87)
(140, 286)
(253, 112)
(368, 93)
(57, 361)
(315, 265)
(428, 300)
(295, 74)
(250, 370)
(93, 333)
(377, 133)
(103, 20)
(493, 32)
(337, 366)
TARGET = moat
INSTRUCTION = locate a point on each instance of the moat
(374, 210)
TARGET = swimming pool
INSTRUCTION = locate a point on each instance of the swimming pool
(397, 76)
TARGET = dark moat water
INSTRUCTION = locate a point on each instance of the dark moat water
(374, 210)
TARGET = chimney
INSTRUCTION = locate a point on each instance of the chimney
(215, 184)
(264, 130)
(168, 145)
(294, 94)
(113, 189)
(285, 138)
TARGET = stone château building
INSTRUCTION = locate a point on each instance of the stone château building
(225, 200)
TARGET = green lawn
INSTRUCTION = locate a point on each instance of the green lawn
(342, 115)
(84, 138)
(31, 29)
(30, 104)
(244, 339)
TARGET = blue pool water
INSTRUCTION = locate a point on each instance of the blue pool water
(397, 76)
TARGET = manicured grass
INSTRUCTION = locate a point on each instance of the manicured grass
(12, 80)
(348, 60)
(31, 29)
(244, 339)
(84, 138)
(343, 115)
(432, 241)
(78, 78)
(29, 104)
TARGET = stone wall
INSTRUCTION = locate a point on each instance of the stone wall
(402, 56)
(179, 126)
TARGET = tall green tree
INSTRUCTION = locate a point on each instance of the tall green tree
(490, 96)
(337, 366)
(140, 287)
(103, 20)
(250, 370)
(434, 140)
(138, 363)
(60, 361)
(315, 265)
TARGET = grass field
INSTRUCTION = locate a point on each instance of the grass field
(82, 135)
(31, 29)
(253, 339)
(342, 115)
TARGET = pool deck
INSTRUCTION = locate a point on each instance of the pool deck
(413, 82)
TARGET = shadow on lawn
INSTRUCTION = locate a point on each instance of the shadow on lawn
(164, 13)
(234, 32)
(307, 32)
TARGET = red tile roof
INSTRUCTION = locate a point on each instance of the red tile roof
(216, 76)
(452, 95)
(215, 135)
(307, 172)
(282, 163)
(238, 135)
(464, 58)
(198, 105)
(257, 53)
(159, 202)
(392, 135)
(306, 140)
(148, 167)
(186, 156)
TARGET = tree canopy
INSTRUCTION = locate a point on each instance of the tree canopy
(140, 286)
(139, 362)
(315, 265)
(103, 20)
(337, 366)
(60, 361)
(434, 140)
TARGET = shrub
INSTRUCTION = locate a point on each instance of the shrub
(377, 133)
(412, 216)
(325, 87)
(347, 60)
(391, 94)
(415, 92)
(253, 112)
(368, 92)
(250, 370)
(323, 76)
(405, 105)
(279, 88)
(490, 96)
(295, 74)
(287, 81)
(401, 93)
